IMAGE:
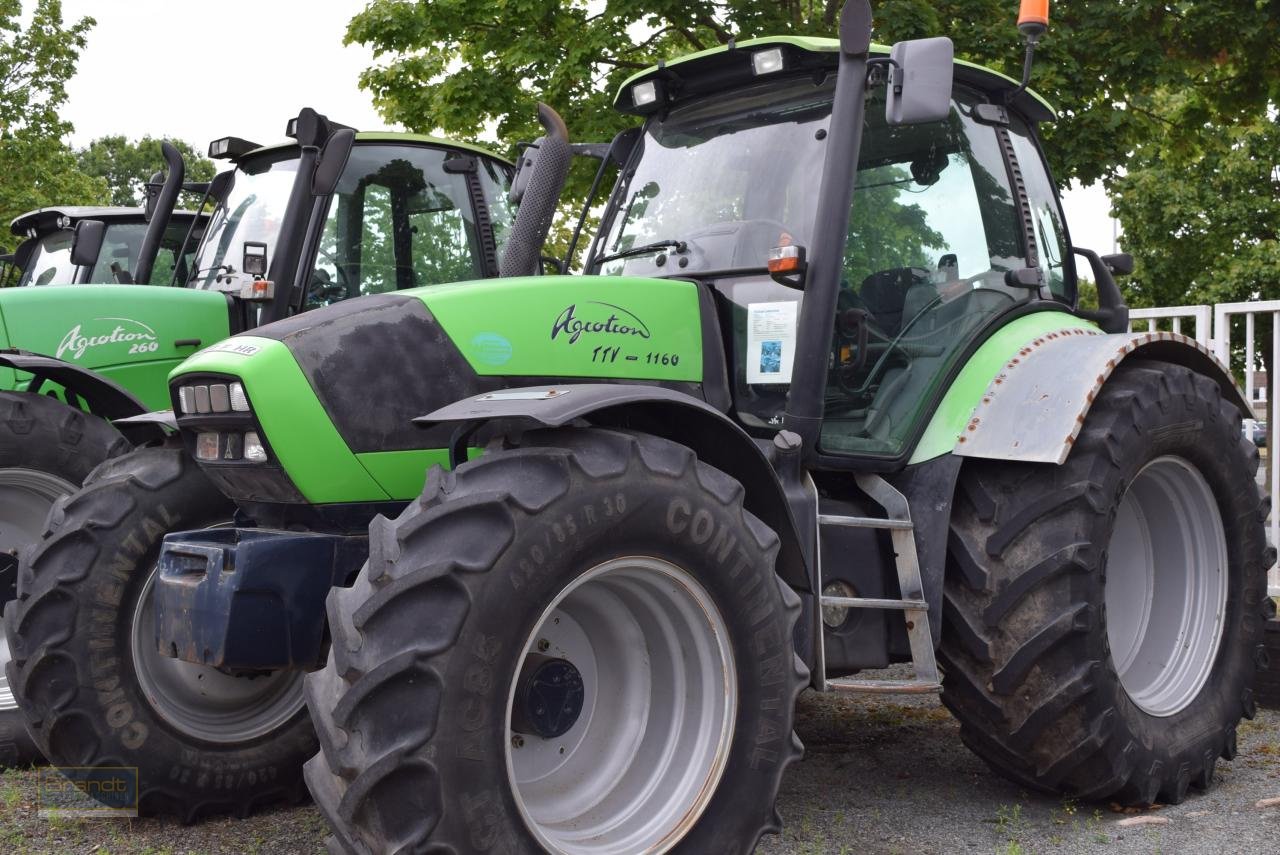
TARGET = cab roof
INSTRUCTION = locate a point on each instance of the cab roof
(819, 52)
(44, 220)
(392, 137)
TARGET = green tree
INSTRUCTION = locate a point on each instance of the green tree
(127, 166)
(1203, 223)
(463, 66)
(35, 64)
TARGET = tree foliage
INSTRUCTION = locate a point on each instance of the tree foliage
(128, 166)
(35, 63)
(462, 66)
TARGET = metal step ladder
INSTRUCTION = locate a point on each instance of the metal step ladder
(915, 610)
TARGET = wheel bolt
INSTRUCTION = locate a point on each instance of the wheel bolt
(543, 645)
(517, 741)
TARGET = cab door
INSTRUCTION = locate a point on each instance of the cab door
(935, 231)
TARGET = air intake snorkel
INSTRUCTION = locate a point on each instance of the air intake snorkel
(540, 176)
(160, 203)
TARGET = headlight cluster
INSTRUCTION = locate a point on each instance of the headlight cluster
(228, 444)
(212, 398)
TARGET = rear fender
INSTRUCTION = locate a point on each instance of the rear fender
(1035, 407)
(711, 435)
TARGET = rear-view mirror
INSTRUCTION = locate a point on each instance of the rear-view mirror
(86, 242)
(1121, 263)
(525, 166)
(333, 159)
(920, 81)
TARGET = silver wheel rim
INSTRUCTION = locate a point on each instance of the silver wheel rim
(204, 702)
(643, 759)
(25, 498)
(1166, 586)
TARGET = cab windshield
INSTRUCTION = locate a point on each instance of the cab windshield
(50, 263)
(730, 178)
(253, 211)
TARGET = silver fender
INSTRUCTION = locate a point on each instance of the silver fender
(1034, 408)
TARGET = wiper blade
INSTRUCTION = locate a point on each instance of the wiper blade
(201, 271)
(677, 245)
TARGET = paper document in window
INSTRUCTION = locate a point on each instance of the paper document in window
(771, 341)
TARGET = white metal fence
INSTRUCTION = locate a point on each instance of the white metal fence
(1212, 328)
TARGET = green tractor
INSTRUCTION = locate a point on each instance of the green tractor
(45, 255)
(338, 213)
(830, 405)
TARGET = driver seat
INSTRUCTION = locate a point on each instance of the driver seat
(884, 294)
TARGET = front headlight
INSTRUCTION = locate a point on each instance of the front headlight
(225, 430)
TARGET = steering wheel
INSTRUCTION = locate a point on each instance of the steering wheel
(330, 289)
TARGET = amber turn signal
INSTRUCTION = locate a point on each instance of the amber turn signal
(786, 259)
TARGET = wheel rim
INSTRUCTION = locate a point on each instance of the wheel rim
(204, 702)
(659, 701)
(1166, 586)
(25, 498)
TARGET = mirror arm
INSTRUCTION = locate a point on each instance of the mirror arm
(875, 68)
(1112, 314)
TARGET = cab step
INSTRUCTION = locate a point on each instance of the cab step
(914, 607)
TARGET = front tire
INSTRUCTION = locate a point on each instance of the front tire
(90, 682)
(47, 449)
(1103, 619)
(578, 646)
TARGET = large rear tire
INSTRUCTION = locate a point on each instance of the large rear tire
(47, 449)
(93, 687)
(1103, 619)
(578, 646)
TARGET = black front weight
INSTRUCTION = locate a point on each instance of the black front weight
(247, 598)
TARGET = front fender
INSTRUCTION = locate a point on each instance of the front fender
(103, 397)
(1035, 407)
(716, 439)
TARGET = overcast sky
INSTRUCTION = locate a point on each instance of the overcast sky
(202, 70)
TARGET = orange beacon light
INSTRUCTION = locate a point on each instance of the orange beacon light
(1033, 18)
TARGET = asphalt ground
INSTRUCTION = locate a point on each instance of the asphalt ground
(880, 775)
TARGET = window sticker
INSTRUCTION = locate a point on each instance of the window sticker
(771, 341)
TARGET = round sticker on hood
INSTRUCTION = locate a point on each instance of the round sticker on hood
(491, 348)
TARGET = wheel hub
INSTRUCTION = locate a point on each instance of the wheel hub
(549, 696)
(637, 650)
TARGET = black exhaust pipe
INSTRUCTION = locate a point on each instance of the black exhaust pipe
(160, 212)
(543, 169)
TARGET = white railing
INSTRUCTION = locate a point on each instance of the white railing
(1216, 334)
(1202, 315)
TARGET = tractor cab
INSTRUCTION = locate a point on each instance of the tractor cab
(372, 212)
(402, 210)
(45, 255)
(726, 186)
